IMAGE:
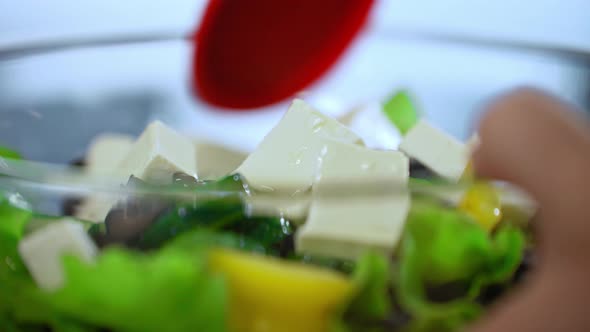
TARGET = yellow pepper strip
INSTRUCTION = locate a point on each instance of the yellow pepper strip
(482, 202)
(270, 295)
(468, 173)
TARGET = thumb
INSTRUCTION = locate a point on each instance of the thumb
(537, 142)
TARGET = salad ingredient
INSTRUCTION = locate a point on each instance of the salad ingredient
(104, 155)
(267, 294)
(401, 112)
(215, 161)
(42, 251)
(158, 152)
(14, 216)
(348, 163)
(106, 151)
(225, 214)
(443, 247)
(287, 157)
(168, 290)
(372, 125)
(371, 277)
(482, 202)
(8, 153)
(294, 208)
(127, 220)
(15, 213)
(94, 208)
(346, 227)
(518, 207)
(437, 150)
(473, 142)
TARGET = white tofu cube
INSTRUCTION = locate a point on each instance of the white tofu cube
(158, 153)
(96, 207)
(437, 150)
(294, 209)
(345, 163)
(103, 158)
(345, 227)
(215, 161)
(287, 158)
(43, 250)
(106, 152)
(373, 126)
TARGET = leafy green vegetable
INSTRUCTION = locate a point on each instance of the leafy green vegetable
(221, 214)
(200, 239)
(125, 291)
(400, 110)
(18, 293)
(14, 215)
(343, 265)
(214, 214)
(442, 246)
(8, 153)
(372, 279)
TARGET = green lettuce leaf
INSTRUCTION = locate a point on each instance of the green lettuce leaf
(14, 215)
(126, 291)
(201, 239)
(441, 246)
(19, 299)
(372, 278)
(8, 153)
(225, 214)
(400, 110)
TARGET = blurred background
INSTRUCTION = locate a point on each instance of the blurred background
(452, 55)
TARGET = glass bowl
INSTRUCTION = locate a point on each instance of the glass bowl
(55, 103)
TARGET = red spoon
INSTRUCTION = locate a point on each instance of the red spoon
(254, 53)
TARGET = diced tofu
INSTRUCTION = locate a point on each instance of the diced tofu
(345, 227)
(373, 126)
(158, 153)
(345, 163)
(95, 208)
(473, 142)
(104, 156)
(295, 209)
(43, 250)
(107, 151)
(287, 158)
(517, 205)
(437, 150)
(215, 161)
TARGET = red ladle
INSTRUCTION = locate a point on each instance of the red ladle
(252, 53)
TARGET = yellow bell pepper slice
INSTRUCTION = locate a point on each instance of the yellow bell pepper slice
(270, 295)
(482, 202)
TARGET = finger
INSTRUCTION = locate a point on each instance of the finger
(552, 302)
(536, 142)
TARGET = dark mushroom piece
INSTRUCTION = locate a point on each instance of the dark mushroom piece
(128, 219)
(419, 171)
(70, 204)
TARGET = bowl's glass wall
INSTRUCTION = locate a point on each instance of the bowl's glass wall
(52, 104)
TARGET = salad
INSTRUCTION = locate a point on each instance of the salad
(282, 239)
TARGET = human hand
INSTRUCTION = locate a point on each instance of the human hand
(536, 142)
